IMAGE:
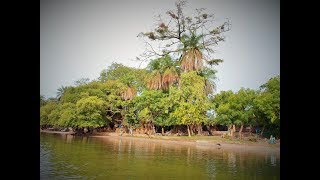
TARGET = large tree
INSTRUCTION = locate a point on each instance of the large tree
(152, 109)
(90, 112)
(235, 108)
(267, 104)
(191, 39)
(192, 102)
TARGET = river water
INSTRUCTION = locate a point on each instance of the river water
(74, 157)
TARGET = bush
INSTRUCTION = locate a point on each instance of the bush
(253, 139)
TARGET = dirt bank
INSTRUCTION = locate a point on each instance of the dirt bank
(203, 142)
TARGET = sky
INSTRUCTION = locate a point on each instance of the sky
(80, 38)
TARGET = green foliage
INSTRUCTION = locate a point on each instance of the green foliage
(191, 101)
(42, 100)
(54, 116)
(45, 111)
(131, 117)
(71, 95)
(192, 40)
(259, 108)
(131, 77)
(145, 115)
(68, 115)
(161, 64)
(186, 102)
(61, 91)
(103, 76)
(193, 87)
(267, 104)
(234, 108)
(253, 138)
(90, 112)
(163, 73)
(152, 106)
(209, 75)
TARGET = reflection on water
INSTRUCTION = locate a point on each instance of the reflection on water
(73, 157)
(273, 160)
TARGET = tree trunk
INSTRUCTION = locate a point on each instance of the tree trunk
(153, 129)
(209, 129)
(262, 130)
(199, 129)
(188, 131)
(240, 132)
(230, 130)
(233, 129)
(162, 130)
(192, 130)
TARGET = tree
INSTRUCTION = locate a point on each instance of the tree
(45, 111)
(267, 104)
(68, 115)
(164, 73)
(152, 109)
(243, 104)
(103, 76)
(61, 91)
(42, 100)
(192, 101)
(132, 78)
(90, 112)
(209, 77)
(221, 107)
(54, 116)
(192, 39)
(235, 108)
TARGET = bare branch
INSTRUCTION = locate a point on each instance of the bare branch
(175, 28)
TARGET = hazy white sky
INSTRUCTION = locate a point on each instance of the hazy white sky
(79, 38)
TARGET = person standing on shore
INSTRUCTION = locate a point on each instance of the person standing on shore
(130, 130)
(121, 130)
(272, 140)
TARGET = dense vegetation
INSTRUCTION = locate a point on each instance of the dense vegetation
(175, 91)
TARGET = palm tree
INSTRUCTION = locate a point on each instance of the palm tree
(209, 77)
(192, 56)
(154, 80)
(169, 77)
(192, 60)
(128, 93)
(61, 91)
(163, 73)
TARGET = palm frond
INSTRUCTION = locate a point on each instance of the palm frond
(169, 77)
(192, 60)
(129, 93)
(214, 62)
(154, 80)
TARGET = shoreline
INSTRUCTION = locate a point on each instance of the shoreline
(203, 142)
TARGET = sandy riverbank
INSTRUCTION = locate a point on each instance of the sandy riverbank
(203, 142)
